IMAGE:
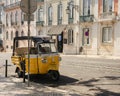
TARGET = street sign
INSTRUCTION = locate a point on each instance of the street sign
(28, 6)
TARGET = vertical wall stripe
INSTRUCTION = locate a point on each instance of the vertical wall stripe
(116, 6)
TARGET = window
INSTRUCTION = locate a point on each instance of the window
(22, 33)
(60, 13)
(107, 34)
(50, 15)
(39, 32)
(108, 5)
(0, 15)
(71, 14)
(86, 36)
(70, 36)
(11, 35)
(11, 18)
(86, 7)
(16, 34)
(22, 18)
(40, 14)
(7, 35)
(16, 15)
(0, 30)
(11, 1)
(6, 19)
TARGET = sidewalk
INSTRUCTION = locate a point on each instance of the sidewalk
(14, 86)
(95, 56)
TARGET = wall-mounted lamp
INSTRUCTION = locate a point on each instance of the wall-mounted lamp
(68, 10)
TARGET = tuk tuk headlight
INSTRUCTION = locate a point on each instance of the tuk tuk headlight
(60, 58)
(44, 60)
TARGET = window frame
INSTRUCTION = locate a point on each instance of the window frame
(7, 35)
(50, 9)
(86, 39)
(86, 7)
(109, 29)
(70, 36)
(107, 5)
(41, 14)
(60, 15)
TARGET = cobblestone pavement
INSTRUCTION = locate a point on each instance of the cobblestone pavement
(80, 76)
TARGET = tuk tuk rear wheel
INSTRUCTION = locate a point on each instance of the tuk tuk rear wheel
(19, 73)
(54, 75)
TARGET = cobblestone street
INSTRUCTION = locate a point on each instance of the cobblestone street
(80, 76)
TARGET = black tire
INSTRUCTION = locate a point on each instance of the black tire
(54, 75)
(19, 73)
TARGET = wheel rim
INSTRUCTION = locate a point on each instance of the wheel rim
(55, 75)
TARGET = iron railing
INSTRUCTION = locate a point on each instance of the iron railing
(41, 23)
(40, 0)
(87, 18)
(17, 4)
(70, 20)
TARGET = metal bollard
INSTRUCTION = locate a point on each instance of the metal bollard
(6, 69)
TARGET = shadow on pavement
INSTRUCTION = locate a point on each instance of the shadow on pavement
(112, 77)
(44, 79)
(103, 92)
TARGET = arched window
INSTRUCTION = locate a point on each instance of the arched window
(50, 15)
(70, 36)
(22, 18)
(39, 32)
(71, 14)
(16, 15)
(11, 35)
(86, 7)
(22, 33)
(11, 18)
(40, 14)
(60, 13)
(7, 35)
(6, 19)
(16, 34)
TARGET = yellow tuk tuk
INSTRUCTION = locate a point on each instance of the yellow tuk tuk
(44, 58)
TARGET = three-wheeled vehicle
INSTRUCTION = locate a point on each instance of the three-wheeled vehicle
(44, 58)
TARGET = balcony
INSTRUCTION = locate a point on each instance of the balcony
(12, 6)
(59, 21)
(70, 20)
(50, 22)
(87, 18)
(40, 0)
(1, 22)
(108, 16)
(40, 23)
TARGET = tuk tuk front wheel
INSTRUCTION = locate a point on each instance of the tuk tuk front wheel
(54, 75)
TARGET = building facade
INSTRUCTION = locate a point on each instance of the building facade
(15, 25)
(2, 27)
(86, 27)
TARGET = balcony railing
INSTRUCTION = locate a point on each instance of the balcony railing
(41, 23)
(87, 18)
(59, 21)
(108, 15)
(40, 0)
(70, 20)
(17, 4)
(50, 22)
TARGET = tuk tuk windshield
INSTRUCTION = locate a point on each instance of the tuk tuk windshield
(47, 48)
